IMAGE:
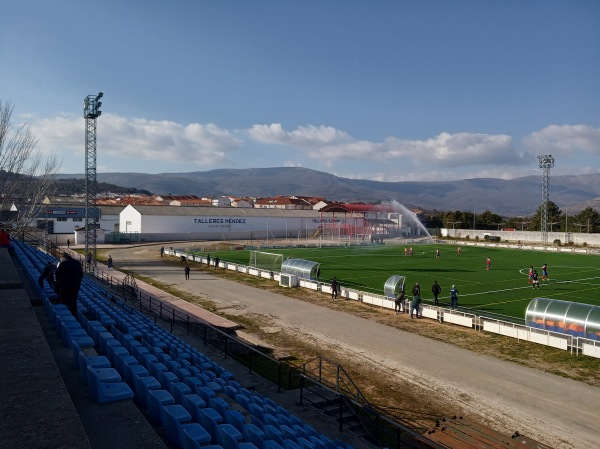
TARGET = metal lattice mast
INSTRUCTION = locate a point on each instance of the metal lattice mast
(546, 163)
(91, 111)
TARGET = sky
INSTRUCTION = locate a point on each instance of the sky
(386, 90)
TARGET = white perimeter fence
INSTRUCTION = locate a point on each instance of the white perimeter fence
(576, 345)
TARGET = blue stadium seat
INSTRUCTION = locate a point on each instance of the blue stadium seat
(95, 361)
(194, 436)
(157, 399)
(235, 418)
(193, 404)
(178, 390)
(173, 417)
(133, 371)
(143, 385)
(215, 429)
(230, 442)
(78, 344)
(104, 385)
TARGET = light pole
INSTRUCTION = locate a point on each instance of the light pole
(91, 112)
(553, 223)
(546, 162)
(454, 223)
(523, 223)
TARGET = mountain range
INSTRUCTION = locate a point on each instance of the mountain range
(513, 197)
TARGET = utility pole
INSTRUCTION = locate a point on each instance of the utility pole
(91, 111)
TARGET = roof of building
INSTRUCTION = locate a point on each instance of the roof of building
(282, 200)
(168, 198)
(111, 210)
(359, 208)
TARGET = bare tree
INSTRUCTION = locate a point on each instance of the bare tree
(25, 175)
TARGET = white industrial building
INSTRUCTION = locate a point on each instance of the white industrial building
(65, 219)
(164, 223)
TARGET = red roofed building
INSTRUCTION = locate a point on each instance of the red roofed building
(282, 202)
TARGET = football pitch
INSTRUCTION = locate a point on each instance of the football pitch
(502, 290)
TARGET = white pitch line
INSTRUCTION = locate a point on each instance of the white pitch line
(542, 283)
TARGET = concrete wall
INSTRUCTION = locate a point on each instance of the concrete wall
(578, 238)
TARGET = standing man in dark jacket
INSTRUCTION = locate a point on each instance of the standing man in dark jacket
(416, 300)
(436, 290)
(334, 288)
(68, 277)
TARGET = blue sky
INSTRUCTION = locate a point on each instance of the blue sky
(383, 90)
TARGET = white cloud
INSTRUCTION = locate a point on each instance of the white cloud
(136, 144)
(292, 164)
(564, 140)
(140, 139)
(449, 150)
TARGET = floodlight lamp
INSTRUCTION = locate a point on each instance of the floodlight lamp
(546, 161)
(100, 94)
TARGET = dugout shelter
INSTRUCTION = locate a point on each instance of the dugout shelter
(302, 268)
(393, 286)
(567, 317)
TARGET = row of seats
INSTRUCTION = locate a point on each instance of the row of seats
(122, 354)
(576, 330)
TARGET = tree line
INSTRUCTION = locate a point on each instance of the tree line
(587, 221)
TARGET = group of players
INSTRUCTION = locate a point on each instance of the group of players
(534, 278)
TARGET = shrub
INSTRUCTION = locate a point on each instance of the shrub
(556, 242)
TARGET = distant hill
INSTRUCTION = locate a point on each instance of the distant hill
(520, 196)
(75, 184)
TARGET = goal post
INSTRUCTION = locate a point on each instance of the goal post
(265, 260)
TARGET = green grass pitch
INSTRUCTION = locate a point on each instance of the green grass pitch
(501, 290)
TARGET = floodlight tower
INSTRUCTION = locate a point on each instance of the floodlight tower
(546, 163)
(91, 111)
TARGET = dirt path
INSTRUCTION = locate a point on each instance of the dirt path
(430, 376)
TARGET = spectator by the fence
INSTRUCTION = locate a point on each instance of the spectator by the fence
(436, 290)
(454, 297)
(334, 288)
(416, 300)
(399, 301)
(109, 262)
(5, 241)
(187, 272)
(68, 243)
(68, 277)
(162, 251)
(217, 260)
